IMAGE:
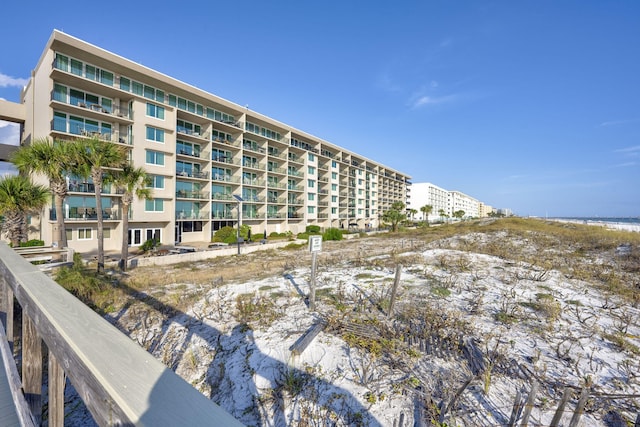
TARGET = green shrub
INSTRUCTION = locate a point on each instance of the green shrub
(229, 235)
(149, 245)
(332, 234)
(304, 236)
(32, 242)
(313, 229)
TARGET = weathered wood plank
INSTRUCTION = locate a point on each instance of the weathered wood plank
(119, 382)
(14, 410)
(32, 367)
(577, 414)
(303, 342)
(394, 289)
(555, 422)
(529, 404)
(56, 392)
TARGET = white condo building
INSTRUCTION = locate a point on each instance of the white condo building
(199, 149)
(426, 193)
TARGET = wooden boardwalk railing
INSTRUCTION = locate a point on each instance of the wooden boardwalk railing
(119, 382)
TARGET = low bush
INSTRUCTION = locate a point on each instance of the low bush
(332, 234)
(32, 242)
(313, 229)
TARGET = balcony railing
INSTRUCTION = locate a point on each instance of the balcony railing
(276, 185)
(192, 174)
(193, 153)
(222, 196)
(192, 214)
(253, 182)
(224, 178)
(76, 213)
(222, 214)
(185, 194)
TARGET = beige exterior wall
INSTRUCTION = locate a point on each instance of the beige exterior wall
(289, 178)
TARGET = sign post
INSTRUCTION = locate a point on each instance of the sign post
(315, 246)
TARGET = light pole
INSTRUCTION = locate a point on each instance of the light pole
(239, 200)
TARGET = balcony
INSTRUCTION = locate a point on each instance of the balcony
(222, 196)
(79, 213)
(191, 215)
(278, 185)
(225, 178)
(255, 182)
(276, 215)
(222, 214)
(184, 194)
(192, 153)
(277, 200)
(192, 174)
(253, 165)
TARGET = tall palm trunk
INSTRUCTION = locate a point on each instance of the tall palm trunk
(59, 190)
(124, 253)
(97, 182)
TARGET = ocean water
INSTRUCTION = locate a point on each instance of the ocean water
(599, 219)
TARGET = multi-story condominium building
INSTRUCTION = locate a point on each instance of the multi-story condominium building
(426, 193)
(199, 149)
(461, 202)
(484, 210)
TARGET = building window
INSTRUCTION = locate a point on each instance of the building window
(312, 170)
(312, 157)
(154, 205)
(334, 187)
(155, 134)
(155, 158)
(311, 183)
(157, 181)
(311, 196)
(153, 233)
(69, 234)
(311, 209)
(106, 233)
(84, 234)
(334, 175)
(334, 198)
(334, 164)
(155, 111)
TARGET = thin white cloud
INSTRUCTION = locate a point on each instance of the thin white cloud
(424, 100)
(386, 83)
(9, 133)
(8, 81)
(618, 122)
(634, 149)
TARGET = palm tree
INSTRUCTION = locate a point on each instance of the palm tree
(395, 215)
(96, 159)
(412, 213)
(426, 211)
(443, 214)
(54, 160)
(132, 182)
(18, 197)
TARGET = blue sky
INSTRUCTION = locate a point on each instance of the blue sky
(527, 105)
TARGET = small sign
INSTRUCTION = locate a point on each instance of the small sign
(315, 243)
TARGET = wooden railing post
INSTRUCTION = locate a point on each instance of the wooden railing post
(575, 419)
(394, 289)
(56, 392)
(32, 367)
(7, 309)
(529, 405)
(555, 422)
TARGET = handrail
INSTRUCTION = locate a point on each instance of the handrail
(120, 383)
